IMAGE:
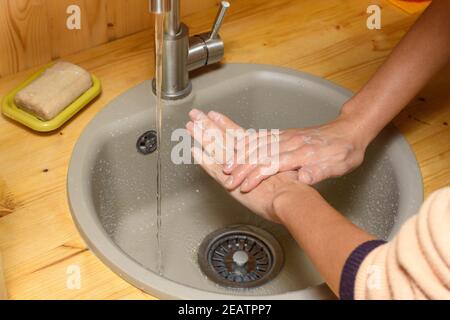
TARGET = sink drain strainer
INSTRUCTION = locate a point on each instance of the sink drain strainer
(147, 143)
(240, 257)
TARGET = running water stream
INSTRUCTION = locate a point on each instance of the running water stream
(159, 49)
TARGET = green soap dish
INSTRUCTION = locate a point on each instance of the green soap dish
(10, 109)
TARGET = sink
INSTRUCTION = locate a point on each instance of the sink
(112, 187)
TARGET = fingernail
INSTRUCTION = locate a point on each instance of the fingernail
(196, 114)
(229, 182)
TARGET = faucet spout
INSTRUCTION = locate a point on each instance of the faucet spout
(173, 23)
(171, 8)
(159, 6)
(183, 54)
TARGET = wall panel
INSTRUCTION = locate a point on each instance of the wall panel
(33, 32)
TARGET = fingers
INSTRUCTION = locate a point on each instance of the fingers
(253, 147)
(314, 174)
(223, 121)
(204, 128)
(209, 165)
(259, 174)
(251, 176)
(236, 134)
(279, 163)
(209, 135)
(265, 146)
(237, 178)
(246, 150)
(305, 176)
(263, 155)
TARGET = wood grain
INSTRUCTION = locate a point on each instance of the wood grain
(3, 293)
(33, 32)
(327, 38)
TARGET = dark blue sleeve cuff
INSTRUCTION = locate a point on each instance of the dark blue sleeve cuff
(351, 267)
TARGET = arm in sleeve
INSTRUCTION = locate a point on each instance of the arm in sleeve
(415, 265)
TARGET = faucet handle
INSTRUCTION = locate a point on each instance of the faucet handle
(207, 48)
(224, 5)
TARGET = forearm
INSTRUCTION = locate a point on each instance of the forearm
(419, 56)
(325, 235)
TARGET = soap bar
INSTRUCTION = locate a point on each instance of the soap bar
(54, 90)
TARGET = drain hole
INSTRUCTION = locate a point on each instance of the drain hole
(240, 257)
(147, 143)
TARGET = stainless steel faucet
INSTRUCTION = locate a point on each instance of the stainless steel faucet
(184, 54)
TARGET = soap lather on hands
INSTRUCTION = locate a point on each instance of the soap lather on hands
(317, 153)
(54, 90)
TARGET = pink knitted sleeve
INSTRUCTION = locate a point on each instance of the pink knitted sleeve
(416, 264)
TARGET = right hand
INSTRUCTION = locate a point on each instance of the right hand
(317, 153)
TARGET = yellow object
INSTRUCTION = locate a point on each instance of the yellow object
(10, 109)
(411, 7)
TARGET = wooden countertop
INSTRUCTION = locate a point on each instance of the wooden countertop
(328, 38)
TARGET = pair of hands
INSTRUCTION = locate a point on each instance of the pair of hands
(304, 157)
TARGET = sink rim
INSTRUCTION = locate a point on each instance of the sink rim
(126, 267)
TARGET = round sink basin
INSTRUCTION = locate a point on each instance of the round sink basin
(112, 189)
